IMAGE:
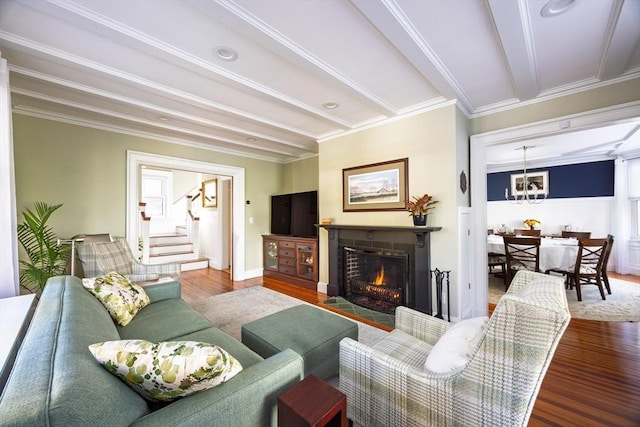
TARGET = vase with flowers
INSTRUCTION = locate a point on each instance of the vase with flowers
(531, 223)
(419, 208)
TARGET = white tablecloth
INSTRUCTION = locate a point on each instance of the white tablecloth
(554, 253)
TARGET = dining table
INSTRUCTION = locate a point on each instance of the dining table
(555, 253)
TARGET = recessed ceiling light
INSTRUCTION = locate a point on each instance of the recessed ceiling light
(163, 118)
(556, 7)
(225, 53)
(330, 105)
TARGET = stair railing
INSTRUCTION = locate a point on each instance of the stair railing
(144, 226)
(144, 229)
(193, 226)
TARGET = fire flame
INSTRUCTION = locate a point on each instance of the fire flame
(379, 277)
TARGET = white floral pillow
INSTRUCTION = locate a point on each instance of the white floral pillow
(167, 370)
(120, 296)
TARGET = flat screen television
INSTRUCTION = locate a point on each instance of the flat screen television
(295, 214)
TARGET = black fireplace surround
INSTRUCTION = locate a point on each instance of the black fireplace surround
(375, 278)
(396, 248)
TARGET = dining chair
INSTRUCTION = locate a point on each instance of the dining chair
(522, 253)
(527, 232)
(605, 261)
(588, 267)
(494, 260)
(576, 234)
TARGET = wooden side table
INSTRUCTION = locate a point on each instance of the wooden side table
(312, 402)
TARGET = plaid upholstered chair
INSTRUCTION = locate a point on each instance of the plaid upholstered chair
(481, 371)
(101, 257)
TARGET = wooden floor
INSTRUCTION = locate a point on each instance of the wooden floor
(593, 379)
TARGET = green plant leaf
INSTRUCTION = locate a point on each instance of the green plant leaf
(45, 257)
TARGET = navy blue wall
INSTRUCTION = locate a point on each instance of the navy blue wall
(581, 180)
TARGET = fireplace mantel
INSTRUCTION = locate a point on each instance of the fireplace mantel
(420, 232)
(361, 235)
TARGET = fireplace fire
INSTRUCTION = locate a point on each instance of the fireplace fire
(411, 244)
(376, 280)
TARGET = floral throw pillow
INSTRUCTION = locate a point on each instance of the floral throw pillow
(120, 296)
(167, 370)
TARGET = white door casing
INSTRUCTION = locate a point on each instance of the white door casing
(478, 178)
(135, 160)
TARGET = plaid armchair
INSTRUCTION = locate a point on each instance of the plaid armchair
(99, 258)
(387, 384)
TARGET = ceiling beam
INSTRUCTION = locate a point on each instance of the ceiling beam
(511, 21)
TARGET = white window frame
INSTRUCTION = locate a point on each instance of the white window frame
(166, 179)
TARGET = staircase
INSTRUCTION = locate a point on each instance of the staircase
(175, 247)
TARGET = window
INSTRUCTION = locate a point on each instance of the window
(635, 218)
(154, 193)
(633, 192)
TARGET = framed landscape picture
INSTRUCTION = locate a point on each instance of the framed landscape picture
(375, 187)
(539, 180)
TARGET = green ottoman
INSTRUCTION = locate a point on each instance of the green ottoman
(313, 333)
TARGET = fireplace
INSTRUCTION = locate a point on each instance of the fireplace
(404, 254)
(375, 279)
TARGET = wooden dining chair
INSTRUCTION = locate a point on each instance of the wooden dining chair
(522, 253)
(605, 261)
(494, 260)
(527, 232)
(576, 234)
(588, 268)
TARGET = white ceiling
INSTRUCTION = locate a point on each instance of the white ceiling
(149, 67)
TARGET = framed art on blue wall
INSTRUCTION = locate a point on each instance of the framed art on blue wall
(535, 181)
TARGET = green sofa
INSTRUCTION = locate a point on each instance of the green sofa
(56, 381)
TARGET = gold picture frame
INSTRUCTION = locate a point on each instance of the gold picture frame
(375, 187)
(210, 193)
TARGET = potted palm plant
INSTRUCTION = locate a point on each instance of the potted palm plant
(46, 258)
(419, 208)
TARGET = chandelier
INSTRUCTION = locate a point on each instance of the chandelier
(530, 191)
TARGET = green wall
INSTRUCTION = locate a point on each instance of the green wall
(301, 175)
(85, 170)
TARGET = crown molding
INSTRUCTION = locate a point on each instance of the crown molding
(387, 120)
(143, 134)
(559, 92)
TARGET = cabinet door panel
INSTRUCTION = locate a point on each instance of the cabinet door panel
(270, 254)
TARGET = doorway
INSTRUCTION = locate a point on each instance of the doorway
(135, 162)
(479, 145)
